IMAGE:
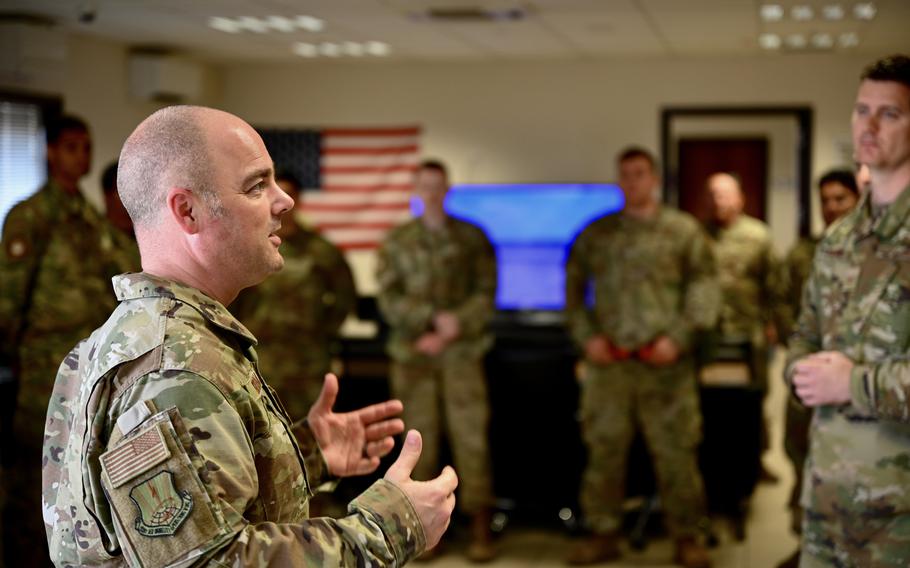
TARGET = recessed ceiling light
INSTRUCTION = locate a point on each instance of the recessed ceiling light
(822, 41)
(796, 41)
(253, 24)
(353, 49)
(833, 12)
(306, 49)
(377, 48)
(769, 41)
(224, 25)
(849, 39)
(329, 49)
(802, 13)
(772, 12)
(280, 23)
(864, 11)
(310, 24)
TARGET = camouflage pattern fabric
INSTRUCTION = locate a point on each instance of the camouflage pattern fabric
(857, 301)
(58, 256)
(649, 278)
(420, 272)
(296, 314)
(797, 417)
(751, 286)
(164, 446)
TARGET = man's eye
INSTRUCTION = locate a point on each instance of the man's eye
(258, 187)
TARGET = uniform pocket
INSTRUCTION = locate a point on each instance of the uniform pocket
(160, 506)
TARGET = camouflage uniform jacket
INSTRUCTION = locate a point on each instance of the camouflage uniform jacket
(58, 257)
(165, 447)
(749, 275)
(796, 269)
(649, 278)
(422, 271)
(296, 314)
(857, 301)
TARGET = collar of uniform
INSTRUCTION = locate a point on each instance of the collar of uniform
(66, 202)
(144, 285)
(658, 213)
(895, 216)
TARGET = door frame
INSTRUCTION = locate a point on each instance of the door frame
(804, 119)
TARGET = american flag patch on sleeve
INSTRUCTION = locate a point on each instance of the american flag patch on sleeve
(135, 456)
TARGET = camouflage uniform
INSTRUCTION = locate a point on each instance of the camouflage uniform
(797, 417)
(420, 272)
(649, 278)
(857, 476)
(58, 257)
(296, 315)
(749, 276)
(164, 446)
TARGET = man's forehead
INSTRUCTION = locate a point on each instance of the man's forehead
(883, 92)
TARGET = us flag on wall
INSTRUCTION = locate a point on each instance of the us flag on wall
(357, 181)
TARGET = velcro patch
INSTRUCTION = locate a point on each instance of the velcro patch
(135, 456)
(162, 508)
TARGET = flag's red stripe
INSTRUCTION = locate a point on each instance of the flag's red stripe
(354, 206)
(365, 245)
(364, 225)
(369, 188)
(371, 151)
(414, 131)
(368, 169)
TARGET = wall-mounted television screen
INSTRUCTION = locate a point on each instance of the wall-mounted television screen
(532, 227)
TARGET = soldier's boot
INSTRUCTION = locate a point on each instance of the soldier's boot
(691, 554)
(595, 549)
(481, 548)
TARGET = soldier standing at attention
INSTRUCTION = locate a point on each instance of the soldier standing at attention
(654, 283)
(296, 314)
(437, 287)
(56, 264)
(849, 354)
(750, 283)
(164, 445)
(839, 193)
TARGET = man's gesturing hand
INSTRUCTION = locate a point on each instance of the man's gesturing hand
(433, 500)
(353, 442)
(823, 378)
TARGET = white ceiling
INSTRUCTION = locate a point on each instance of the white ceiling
(552, 28)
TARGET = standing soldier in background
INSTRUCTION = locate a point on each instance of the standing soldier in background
(296, 314)
(654, 285)
(839, 193)
(437, 287)
(749, 276)
(56, 264)
(849, 354)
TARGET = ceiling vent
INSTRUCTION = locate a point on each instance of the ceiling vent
(471, 14)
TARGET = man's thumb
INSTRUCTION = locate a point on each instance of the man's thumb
(410, 453)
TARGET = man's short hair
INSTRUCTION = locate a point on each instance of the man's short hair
(63, 123)
(435, 165)
(844, 177)
(109, 178)
(169, 149)
(892, 68)
(632, 152)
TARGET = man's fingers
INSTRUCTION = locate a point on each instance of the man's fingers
(384, 429)
(410, 454)
(447, 480)
(381, 448)
(365, 466)
(381, 411)
(327, 395)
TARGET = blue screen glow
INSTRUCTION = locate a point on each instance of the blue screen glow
(532, 227)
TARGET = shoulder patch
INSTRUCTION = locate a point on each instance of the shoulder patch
(17, 247)
(162, 509)
(135, 456)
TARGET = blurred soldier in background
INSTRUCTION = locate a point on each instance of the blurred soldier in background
(437, 286)
(654, 285)
(296, 314)
(56, 264)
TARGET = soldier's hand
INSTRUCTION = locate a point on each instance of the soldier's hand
(431, 344)
(664, 352)
(823, 378)
(597, 350)
(434, 500)
(447, 325)
(353, 442)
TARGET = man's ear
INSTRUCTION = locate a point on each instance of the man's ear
(184, 207)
